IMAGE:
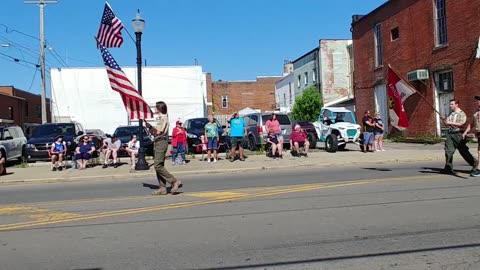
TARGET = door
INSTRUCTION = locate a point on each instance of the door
(381, 104)
(9, 144)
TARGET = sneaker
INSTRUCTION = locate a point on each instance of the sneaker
(476, 173)
(104, 166)
(115, 165)
(378, 150)
(54, 168)
(209, 160)
(306, 155)
(60, 168)
(214, 160)
(242, 159)
(174, 163)
(383, 150)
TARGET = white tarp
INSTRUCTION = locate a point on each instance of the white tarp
(84, 95)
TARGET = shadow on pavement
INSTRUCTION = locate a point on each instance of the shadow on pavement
(439, 171)
(378, 169)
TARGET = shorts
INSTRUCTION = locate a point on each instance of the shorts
(84, 156)
(367, 138)
(279, 134)
(237, 141)
(301, 144)
(212, 143)
(378, 133)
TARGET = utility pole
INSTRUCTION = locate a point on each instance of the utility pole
(43, 94)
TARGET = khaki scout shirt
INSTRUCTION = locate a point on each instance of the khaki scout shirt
(162, 127)
(476, 121)
(457, 117)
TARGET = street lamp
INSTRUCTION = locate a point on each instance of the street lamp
(138, 26)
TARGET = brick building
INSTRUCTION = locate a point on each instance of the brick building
(433, 43)
(21, 107)
(227, 97)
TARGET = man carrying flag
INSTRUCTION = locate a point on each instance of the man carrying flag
(136, 107)
(398, 92)
(110, 31)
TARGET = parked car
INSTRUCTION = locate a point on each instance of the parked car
(43, 136)
(124, 134)
(195, 128)
(96, 132)
(336, 126)
(13, 143)
(309, 128)
(257, 133)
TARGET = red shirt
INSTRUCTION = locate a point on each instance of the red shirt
(179, 136)
(298, 136)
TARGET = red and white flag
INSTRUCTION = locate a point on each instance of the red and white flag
(110, 31)
(398, 92)
(134, 103)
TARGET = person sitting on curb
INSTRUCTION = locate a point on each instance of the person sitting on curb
(84, 152)
(111, 146)
(211, 133)
(298, 139)
(3, 167)
(57, 153)
(132, 149)
(179, 143)
(275, 144)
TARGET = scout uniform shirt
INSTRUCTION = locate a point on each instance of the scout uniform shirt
(476, 121)
(457, 117)
(162, 127)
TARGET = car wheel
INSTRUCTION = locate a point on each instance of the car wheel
(252, 146)
(331, 144)
(312, 139)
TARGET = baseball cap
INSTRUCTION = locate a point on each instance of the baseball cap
(178, 123)
(477, 97)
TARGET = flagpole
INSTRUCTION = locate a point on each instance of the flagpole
(409, 84)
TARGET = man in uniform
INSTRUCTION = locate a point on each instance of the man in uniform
(456, 123)
(476, 127)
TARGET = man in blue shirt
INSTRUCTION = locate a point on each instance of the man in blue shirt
(238, 132)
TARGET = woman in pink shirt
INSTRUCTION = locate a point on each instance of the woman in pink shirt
(273, 124)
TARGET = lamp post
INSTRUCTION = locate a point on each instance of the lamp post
(138, 26)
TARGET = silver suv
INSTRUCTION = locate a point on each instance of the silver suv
(13, 143)
(257, 132)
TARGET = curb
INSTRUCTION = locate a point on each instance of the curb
(150, 173)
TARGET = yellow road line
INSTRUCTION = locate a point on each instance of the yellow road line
(236, 197)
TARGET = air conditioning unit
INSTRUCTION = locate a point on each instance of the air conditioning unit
(418, 75)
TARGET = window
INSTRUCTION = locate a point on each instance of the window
(444, 81)
(26, 108)
(10, 113)
(224, 102)
(395, 33)
(440, 23)
(38, 111)
(290, 93)
(378, 45)
(299, 80)
(314, 75)
(284, 99)
(6, 134)
(306, 77)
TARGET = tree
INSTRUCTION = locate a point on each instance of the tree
(307, 107)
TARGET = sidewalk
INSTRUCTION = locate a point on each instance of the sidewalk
(396, 153)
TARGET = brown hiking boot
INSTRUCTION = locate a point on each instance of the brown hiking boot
(175, 186)
(160, 191)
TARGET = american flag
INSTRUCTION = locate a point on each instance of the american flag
(110, 32)
(136, 107)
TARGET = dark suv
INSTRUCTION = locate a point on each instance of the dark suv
(124, 134)
(44, 135)
(196, 127)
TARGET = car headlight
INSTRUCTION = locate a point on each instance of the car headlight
(30, 146)
(192, 136)
(69, 143)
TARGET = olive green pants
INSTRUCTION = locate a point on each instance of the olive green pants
(453, 142)
(163, 175)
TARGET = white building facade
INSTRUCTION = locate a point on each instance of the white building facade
(84, 95)
(285, 93)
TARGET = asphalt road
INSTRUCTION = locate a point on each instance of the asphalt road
(403, 216)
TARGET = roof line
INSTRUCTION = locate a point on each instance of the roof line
(387, 2)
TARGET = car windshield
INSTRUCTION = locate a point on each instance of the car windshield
(53, 130)
(198, 123)
(339, 117)
(127, 132)
(282, 119)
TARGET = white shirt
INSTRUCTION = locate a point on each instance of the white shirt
(134, 146)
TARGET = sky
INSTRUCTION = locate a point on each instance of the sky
(232, 39)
